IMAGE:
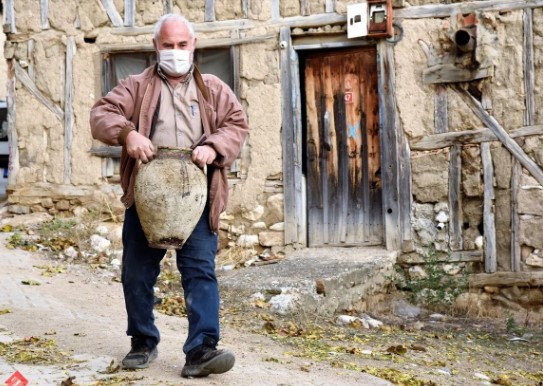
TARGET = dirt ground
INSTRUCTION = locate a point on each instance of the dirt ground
(80, 308)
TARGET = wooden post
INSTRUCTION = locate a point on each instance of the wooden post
(455, 198)
(129, 13)
(276, 14)
(114, 16)
(30, 53)
(245, 8)
(9, 24)
(389, 151)
(330, 6)
(295, 217)
(68, 109)
(209, 10)
(305, 9)
(168, 7)
(488, 210)
(441, 117)
(13, 166)
(44, 14)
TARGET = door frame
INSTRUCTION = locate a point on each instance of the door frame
(395, 160)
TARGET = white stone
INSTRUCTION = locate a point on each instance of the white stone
(282, 304)
(442, 217)
(259, 225)
(70, 252)
(417, 272)
(481, 376)
(441, 207)
(280, 226)
(247, 241)
(372, 323)
(99, 243)
(257, 296)
(438, 317)
(452, 269)
(479, 242)
(344, 320)
(254, 214)
(226, 217)
(270, 239)
(116, 263)
(102, 230)
(237, 230)
(534, 261)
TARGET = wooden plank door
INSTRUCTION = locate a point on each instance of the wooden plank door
(342, 148)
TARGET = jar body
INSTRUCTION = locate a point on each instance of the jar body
(170, 193)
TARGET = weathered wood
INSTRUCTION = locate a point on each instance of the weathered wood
(30, 51)
(9, 25)
(440, 141)
(455, 198)
(168, 6)
(405, 186)
(489, 224)
(501, 134)
(275, 12)
(291, 143)
(520, 279)
(68, 109)
(389, 155)
(446, 10)
(441, 117)
(486, 94)
(209, 14)
(516, 175)
(316, 43)
(449, 73)
(245, 8)
(129, 13)
(442, 257)
(44, 14)
(529, 81)
(305, 9)
(106, 151)
(23, 77)
(13, 167)
(112, 13)
(329, 6)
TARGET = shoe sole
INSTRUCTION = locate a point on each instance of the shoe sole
(152, 356)
(218, 365)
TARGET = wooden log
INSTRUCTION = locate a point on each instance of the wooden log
(441, 118)
(446, 10)
(112, 13)
(129, 13)
(501, 134)
(442, 257)
(209, 14)
(44, 14)
(489, 224)
(68, 109)
(295, 224)
(23, 77)
(441, 141)
(9, 24)
(507, 279)
(455, 199)
(389, 166)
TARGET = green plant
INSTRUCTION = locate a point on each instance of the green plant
(512, 326)
(436, 288)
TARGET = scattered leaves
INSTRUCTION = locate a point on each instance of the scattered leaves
(30, 282)
(32, 350)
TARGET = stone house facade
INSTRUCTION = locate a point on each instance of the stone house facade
(407, 140)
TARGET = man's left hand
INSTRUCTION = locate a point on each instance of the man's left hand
(203, 155)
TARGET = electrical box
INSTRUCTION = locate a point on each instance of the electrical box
(371, 18)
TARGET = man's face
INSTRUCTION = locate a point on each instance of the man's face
(175, 35)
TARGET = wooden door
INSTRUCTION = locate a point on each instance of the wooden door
(342, 148)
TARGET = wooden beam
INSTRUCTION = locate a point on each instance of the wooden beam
(245, 8)
(389, 152)
(106, 151)
(449, 73)
(501, 134)
(44, 14)
(68, 109)
(168, 6)
(13, 165)
(330, 6)
(129, 13)
(275, 11)
(305, 9)
(209, 14)
(23, 77)
(489, 223)
(456, 217)
(516, 175)
(441, 117)
(30, 55)
(442, 257)
(446, 10)
(440, 141)
(295, 227)
(529, 81)
(112, 13)
(521, 279)
(9, 26)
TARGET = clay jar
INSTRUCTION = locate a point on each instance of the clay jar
(170, 194)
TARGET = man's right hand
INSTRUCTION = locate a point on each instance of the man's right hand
(139, 147)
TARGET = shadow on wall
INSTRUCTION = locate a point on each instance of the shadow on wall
(4, 149)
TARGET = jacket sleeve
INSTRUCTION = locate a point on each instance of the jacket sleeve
(110, 117)
(230, 123)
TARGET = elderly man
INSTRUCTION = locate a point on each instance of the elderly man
(172, 104)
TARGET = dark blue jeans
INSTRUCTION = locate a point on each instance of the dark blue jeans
(195, 261)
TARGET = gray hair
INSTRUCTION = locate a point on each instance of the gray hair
(172, 17)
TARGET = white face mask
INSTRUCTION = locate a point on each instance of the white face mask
(175, 62)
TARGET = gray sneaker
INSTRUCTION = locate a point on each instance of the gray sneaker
(140, 355)
(206, 359)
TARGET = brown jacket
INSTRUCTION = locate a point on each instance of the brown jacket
(132, 104)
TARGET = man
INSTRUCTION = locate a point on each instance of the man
(172, 104)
